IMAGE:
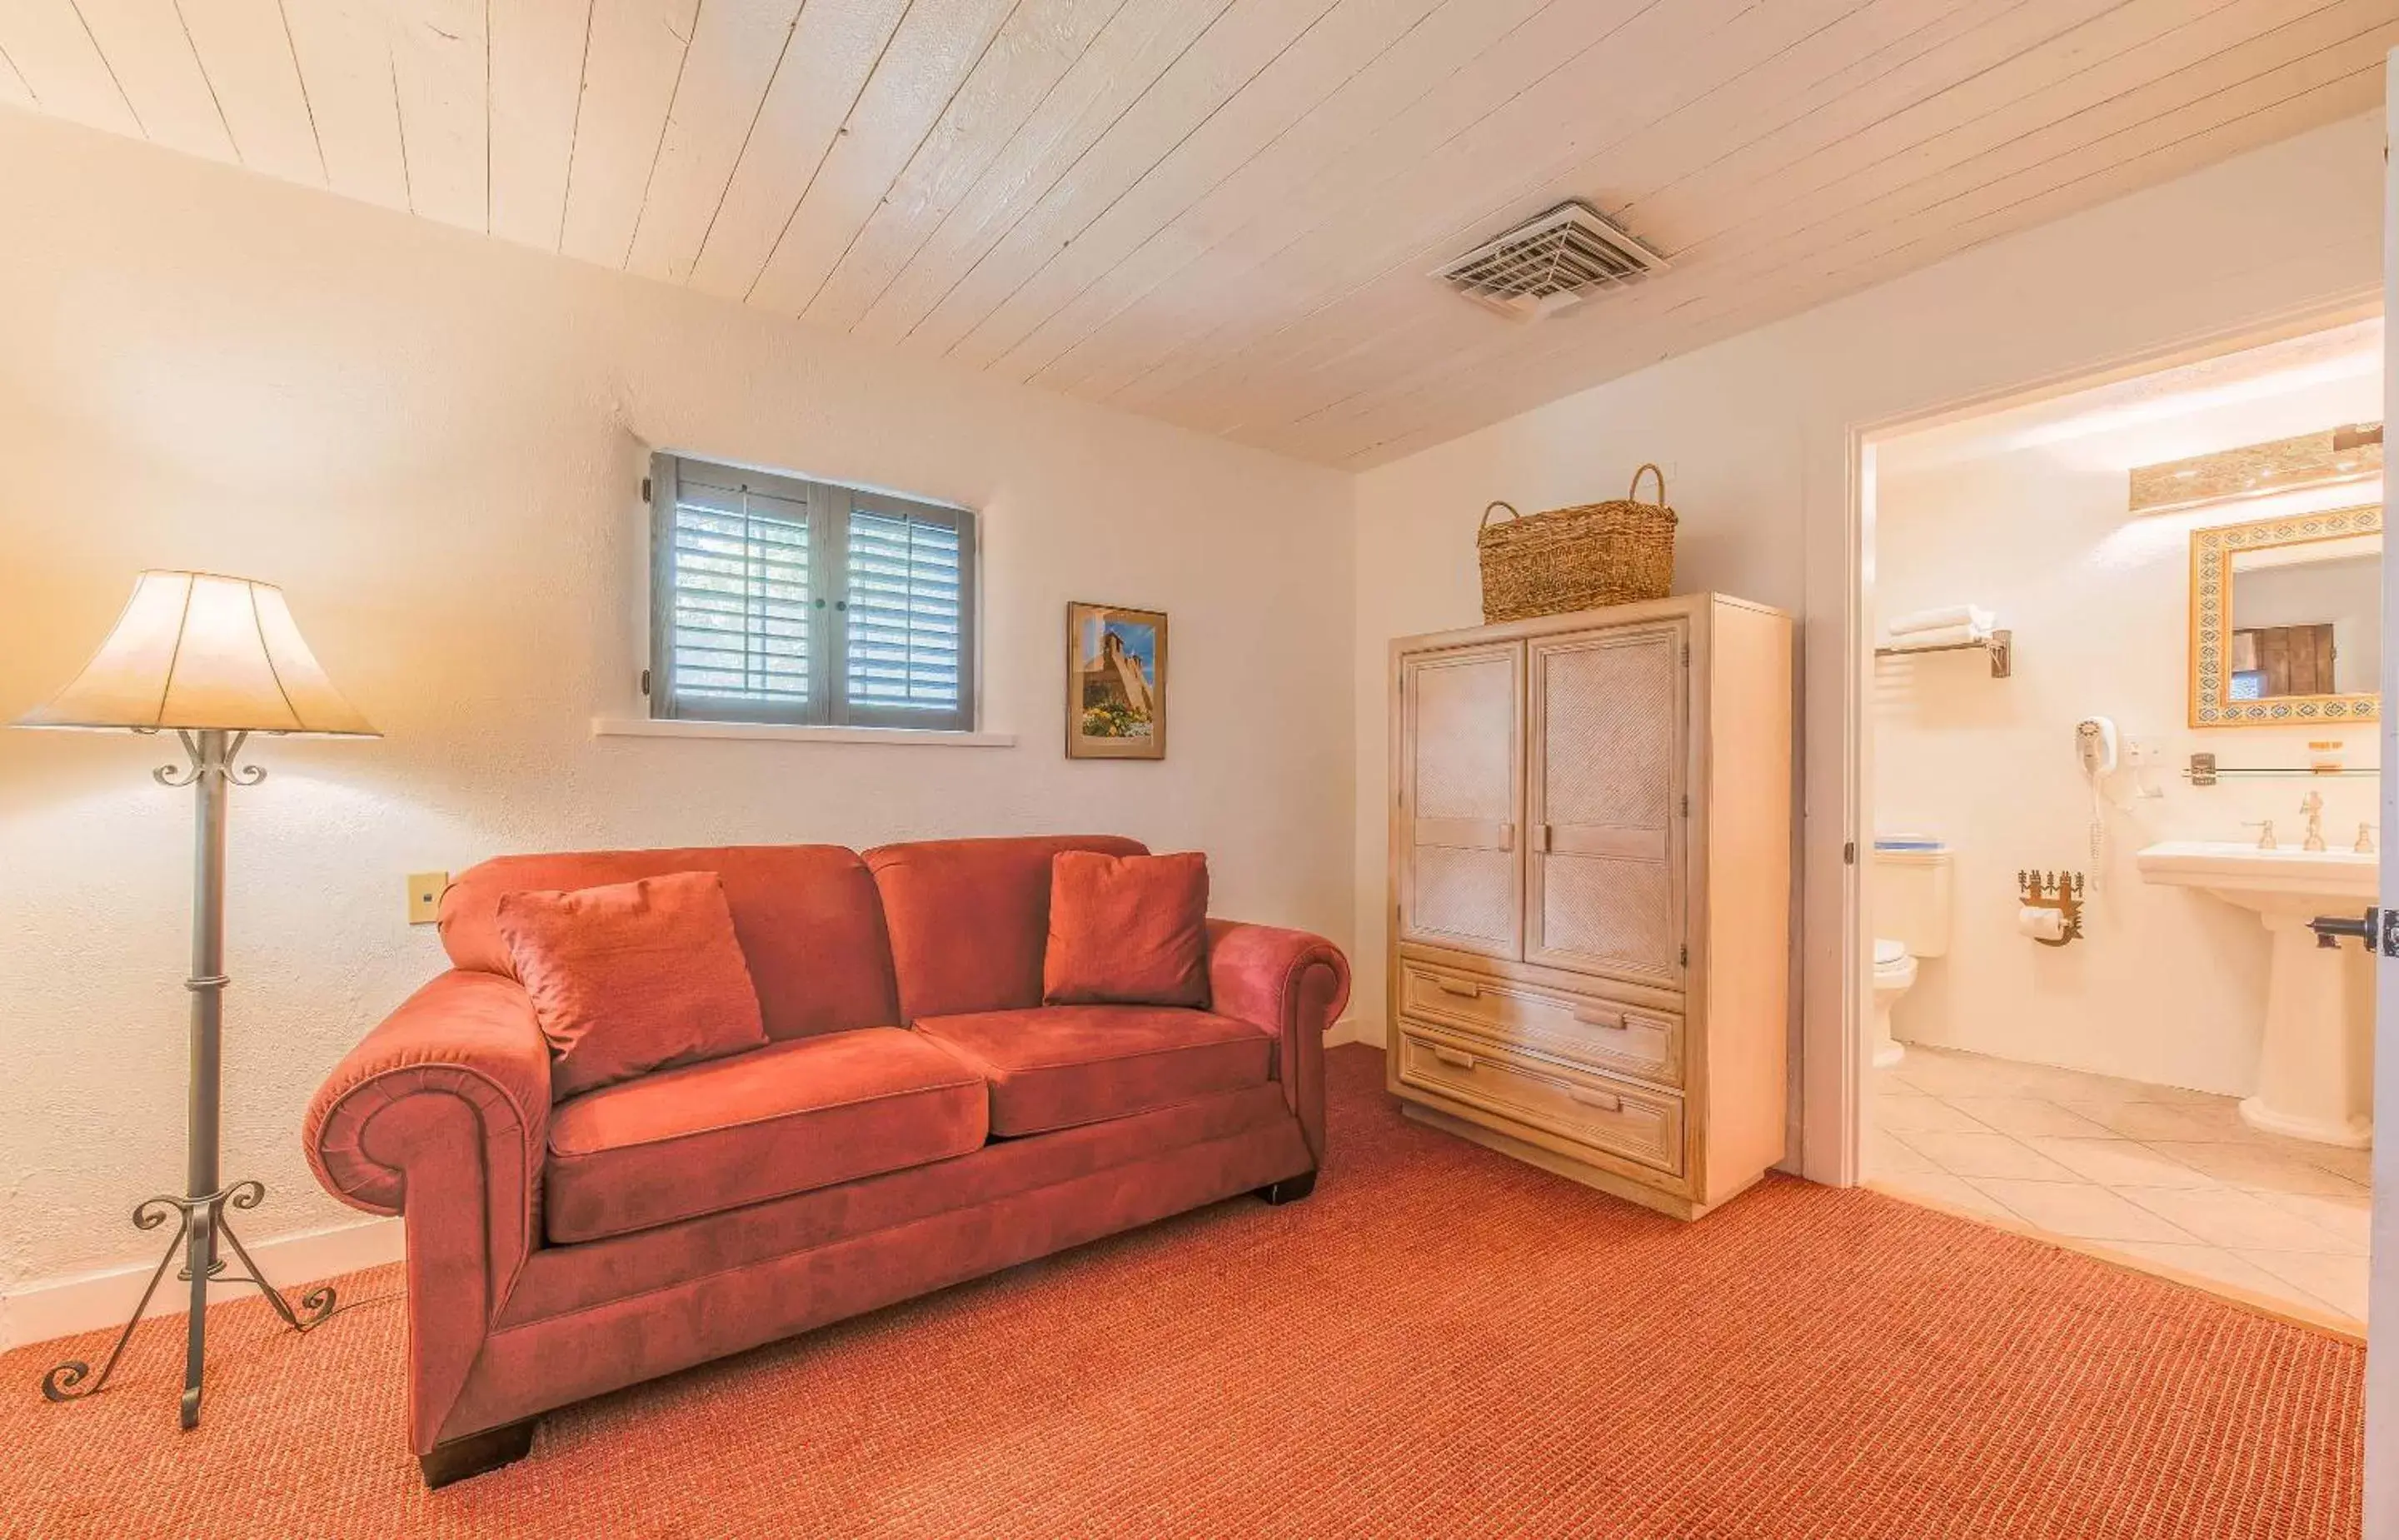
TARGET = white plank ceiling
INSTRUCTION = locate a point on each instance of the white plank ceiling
(1220, 212)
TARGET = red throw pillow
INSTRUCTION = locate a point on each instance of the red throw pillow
(1127, 930)
(633, 976)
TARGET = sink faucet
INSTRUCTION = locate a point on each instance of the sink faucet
(2265, 827)
(2364, 845)
(2313, 808)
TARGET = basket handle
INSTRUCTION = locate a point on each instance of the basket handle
(1513, 514)
(1635, 493)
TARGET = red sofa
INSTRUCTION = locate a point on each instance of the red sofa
(918, 1118)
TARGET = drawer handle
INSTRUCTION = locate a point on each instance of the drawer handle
(1610, 1020)
(1463, 990)
(1600, 1100)
(1453, 1059)
(1506, 836)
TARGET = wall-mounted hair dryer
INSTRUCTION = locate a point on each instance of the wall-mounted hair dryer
(2094, 741)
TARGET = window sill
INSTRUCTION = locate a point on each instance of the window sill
(782, 732)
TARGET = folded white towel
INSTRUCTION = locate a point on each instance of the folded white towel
(1943, 619)
(1947, 636)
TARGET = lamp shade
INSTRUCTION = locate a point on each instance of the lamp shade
(193, 651)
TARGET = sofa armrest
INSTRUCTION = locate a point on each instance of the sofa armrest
(441, 1114)
(1293, 984)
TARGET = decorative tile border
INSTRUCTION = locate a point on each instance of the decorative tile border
(2210, 586)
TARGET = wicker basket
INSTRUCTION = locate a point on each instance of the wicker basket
(1617, 552)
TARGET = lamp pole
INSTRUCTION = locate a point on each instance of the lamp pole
(211, 772)
(211, 769)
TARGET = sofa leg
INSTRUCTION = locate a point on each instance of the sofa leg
(477, 1453)
(1289, 1190)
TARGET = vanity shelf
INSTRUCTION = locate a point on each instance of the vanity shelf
(2000, 644)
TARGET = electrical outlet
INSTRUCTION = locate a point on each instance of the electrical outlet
(425, 890)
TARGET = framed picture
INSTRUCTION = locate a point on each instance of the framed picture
(1116, 683)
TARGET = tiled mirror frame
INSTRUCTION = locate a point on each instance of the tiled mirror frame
(2212, 550)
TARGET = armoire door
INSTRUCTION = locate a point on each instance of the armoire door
(1461, 778)
(1605, 817)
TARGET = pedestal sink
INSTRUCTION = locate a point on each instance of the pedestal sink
(2315, 1073)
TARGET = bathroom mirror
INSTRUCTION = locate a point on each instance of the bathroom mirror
(2285, 620)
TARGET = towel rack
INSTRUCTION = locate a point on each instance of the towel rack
(2000, 644)
(2204, 771)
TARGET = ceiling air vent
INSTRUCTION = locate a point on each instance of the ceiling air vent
(1552, 263)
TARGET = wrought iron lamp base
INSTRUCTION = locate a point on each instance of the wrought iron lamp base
(203, 1222)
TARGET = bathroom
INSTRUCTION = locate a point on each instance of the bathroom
(2077, 956)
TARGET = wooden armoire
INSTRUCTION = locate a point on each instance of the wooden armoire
(1591, 879)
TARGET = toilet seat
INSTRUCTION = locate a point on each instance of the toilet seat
(1894, 975)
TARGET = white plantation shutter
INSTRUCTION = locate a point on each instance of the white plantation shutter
(907, 657)
(739, 620)
(776, 598)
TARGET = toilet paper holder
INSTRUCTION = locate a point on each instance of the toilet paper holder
(2059, 890)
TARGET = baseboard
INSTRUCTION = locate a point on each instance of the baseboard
(1352, 1029)
(61, 1307)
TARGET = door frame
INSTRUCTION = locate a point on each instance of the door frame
(1838, 947)
(2381, 1502)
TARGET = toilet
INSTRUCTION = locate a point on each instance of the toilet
(1910, 905)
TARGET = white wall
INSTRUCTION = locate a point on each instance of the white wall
(1756, 438)
(2167, 985)
(434, 444)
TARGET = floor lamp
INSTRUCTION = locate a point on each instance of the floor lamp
(212, 660)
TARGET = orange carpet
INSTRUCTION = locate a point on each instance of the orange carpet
(1440, 1342)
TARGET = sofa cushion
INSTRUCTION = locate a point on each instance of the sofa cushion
(633, 976)
(1061, 1066)
(808, 918)
(1127, 930)
(784, 1119)
(969, 918)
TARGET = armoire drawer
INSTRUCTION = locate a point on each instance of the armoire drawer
(1618, 1038)
(1627, 1120)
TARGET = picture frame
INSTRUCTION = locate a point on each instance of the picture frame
(1116, 683)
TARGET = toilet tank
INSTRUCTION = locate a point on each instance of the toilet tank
(1910, 898)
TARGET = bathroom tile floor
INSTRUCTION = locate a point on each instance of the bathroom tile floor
(2162, 1177)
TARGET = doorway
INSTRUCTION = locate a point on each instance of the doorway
(2073, 602)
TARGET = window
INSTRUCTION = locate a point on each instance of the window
(775, 599)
